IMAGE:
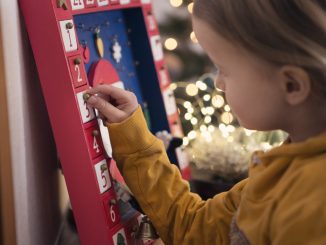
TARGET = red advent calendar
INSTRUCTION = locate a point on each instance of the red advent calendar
(82, 43)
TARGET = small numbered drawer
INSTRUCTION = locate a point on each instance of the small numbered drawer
(94, 141)
(169, 102)
(103, 176)
(77, 70)
(90, 3)
(87, 113)
(101, 3)
(182, 156)
(111, 209)
(150, 20)
(68, 34)
(176, 129)
(120, 237)
(164, 77)
(157, 48)
(124, 1)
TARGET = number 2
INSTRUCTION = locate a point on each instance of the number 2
(77, 69)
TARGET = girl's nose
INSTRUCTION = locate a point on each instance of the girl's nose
(219, 83)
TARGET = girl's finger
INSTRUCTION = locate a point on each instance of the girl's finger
(110, 112)
(111, 91)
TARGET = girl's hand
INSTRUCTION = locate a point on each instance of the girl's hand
(113, 103)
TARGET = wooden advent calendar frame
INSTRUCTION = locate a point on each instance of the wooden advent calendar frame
(59, 56)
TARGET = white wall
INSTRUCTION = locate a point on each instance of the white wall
(32, 148)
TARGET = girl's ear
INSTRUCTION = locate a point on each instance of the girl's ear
(296, 84)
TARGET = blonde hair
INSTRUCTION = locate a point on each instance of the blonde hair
(279, 31)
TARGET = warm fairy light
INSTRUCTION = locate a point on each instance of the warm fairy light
(190, 110)
(193, 37)
(210, 110)
(206, 97)
(203, 111)
(227, 108)
(188, 116)
(192, 135)
(170, 44)
(218, 101)
(203, 128)
(211, 128)
(207, 119)
(226, 117)
(173, 86)
(223, 129)
(191, 89)
(187, 104)
(207, 136)
(201, 85)
(185, 141)
(230, 139)
(230, 128)
(190, 7)
(176, 3)
(194, 121)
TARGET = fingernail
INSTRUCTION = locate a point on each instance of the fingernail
(91, 100)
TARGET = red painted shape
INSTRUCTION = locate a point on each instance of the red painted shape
(103, 72)
(86, 54)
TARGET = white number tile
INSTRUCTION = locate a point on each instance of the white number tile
(102, 2)
(119, 237)
(103, 176)
(164, 77)
(124, 1)
(182, 156)
(87, 113)
(68, 35)
(151, 22)
(157, 48)
(169, 102)
(105, 138)
(145, 1)
(89, 2)
(77, 4)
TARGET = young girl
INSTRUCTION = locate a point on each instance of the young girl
(271, 58)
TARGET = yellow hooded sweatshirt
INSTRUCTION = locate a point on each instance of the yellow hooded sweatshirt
(282, 202)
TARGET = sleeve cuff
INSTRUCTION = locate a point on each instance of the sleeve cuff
(131, 135)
